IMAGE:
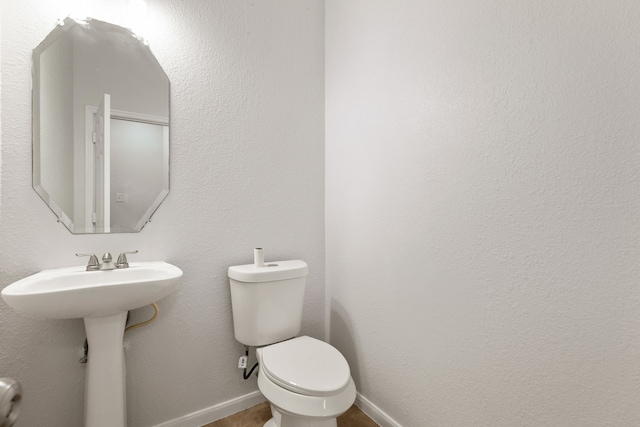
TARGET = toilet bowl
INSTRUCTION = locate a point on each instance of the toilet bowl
(307, 382)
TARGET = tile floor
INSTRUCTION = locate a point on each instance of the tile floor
(258, 415)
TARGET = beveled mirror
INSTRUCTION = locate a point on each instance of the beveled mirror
(100, 127)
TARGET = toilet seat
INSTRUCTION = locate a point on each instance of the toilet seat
(306, 366)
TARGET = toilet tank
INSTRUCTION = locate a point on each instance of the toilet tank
(267, 301)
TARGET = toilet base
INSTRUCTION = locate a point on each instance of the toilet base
(281, 419)
(325, 423)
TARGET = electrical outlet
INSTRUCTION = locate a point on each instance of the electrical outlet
(119, 197)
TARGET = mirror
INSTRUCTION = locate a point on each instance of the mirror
(100, 127)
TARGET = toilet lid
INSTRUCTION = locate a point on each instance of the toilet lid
(306, 366)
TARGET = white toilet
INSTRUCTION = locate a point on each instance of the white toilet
(307, 381)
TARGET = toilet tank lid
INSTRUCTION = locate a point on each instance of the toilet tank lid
(271, 271)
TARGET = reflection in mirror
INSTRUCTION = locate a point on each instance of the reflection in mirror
(100, 127)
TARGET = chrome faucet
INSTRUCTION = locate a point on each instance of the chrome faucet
(107, 261)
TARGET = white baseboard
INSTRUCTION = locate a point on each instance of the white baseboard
(216, 412)
(375, 413)
(233, 406)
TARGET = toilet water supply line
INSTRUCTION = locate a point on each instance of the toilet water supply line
(258, 261)
(84, 358)
(246, 357)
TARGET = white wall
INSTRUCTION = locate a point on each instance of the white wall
(483, 209)
(247, 170)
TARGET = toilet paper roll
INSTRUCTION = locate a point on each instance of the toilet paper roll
(10, 399)
(258, 257)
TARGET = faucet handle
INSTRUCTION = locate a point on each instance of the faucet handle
(122, 259)
(93, 262)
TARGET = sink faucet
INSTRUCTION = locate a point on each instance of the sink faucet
(107, 261)
(107, 264)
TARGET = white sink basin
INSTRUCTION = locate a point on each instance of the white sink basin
(67, 293)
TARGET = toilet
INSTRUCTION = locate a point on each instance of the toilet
(307, 381)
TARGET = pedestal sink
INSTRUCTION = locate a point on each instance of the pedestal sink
(102, 299)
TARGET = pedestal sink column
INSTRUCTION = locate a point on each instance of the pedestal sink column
(104, 396)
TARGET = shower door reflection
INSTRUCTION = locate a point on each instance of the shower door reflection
(128, 176)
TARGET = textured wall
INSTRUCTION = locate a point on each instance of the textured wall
(483, 209)
(247, 169)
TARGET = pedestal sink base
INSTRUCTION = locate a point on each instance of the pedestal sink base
(104, 396)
